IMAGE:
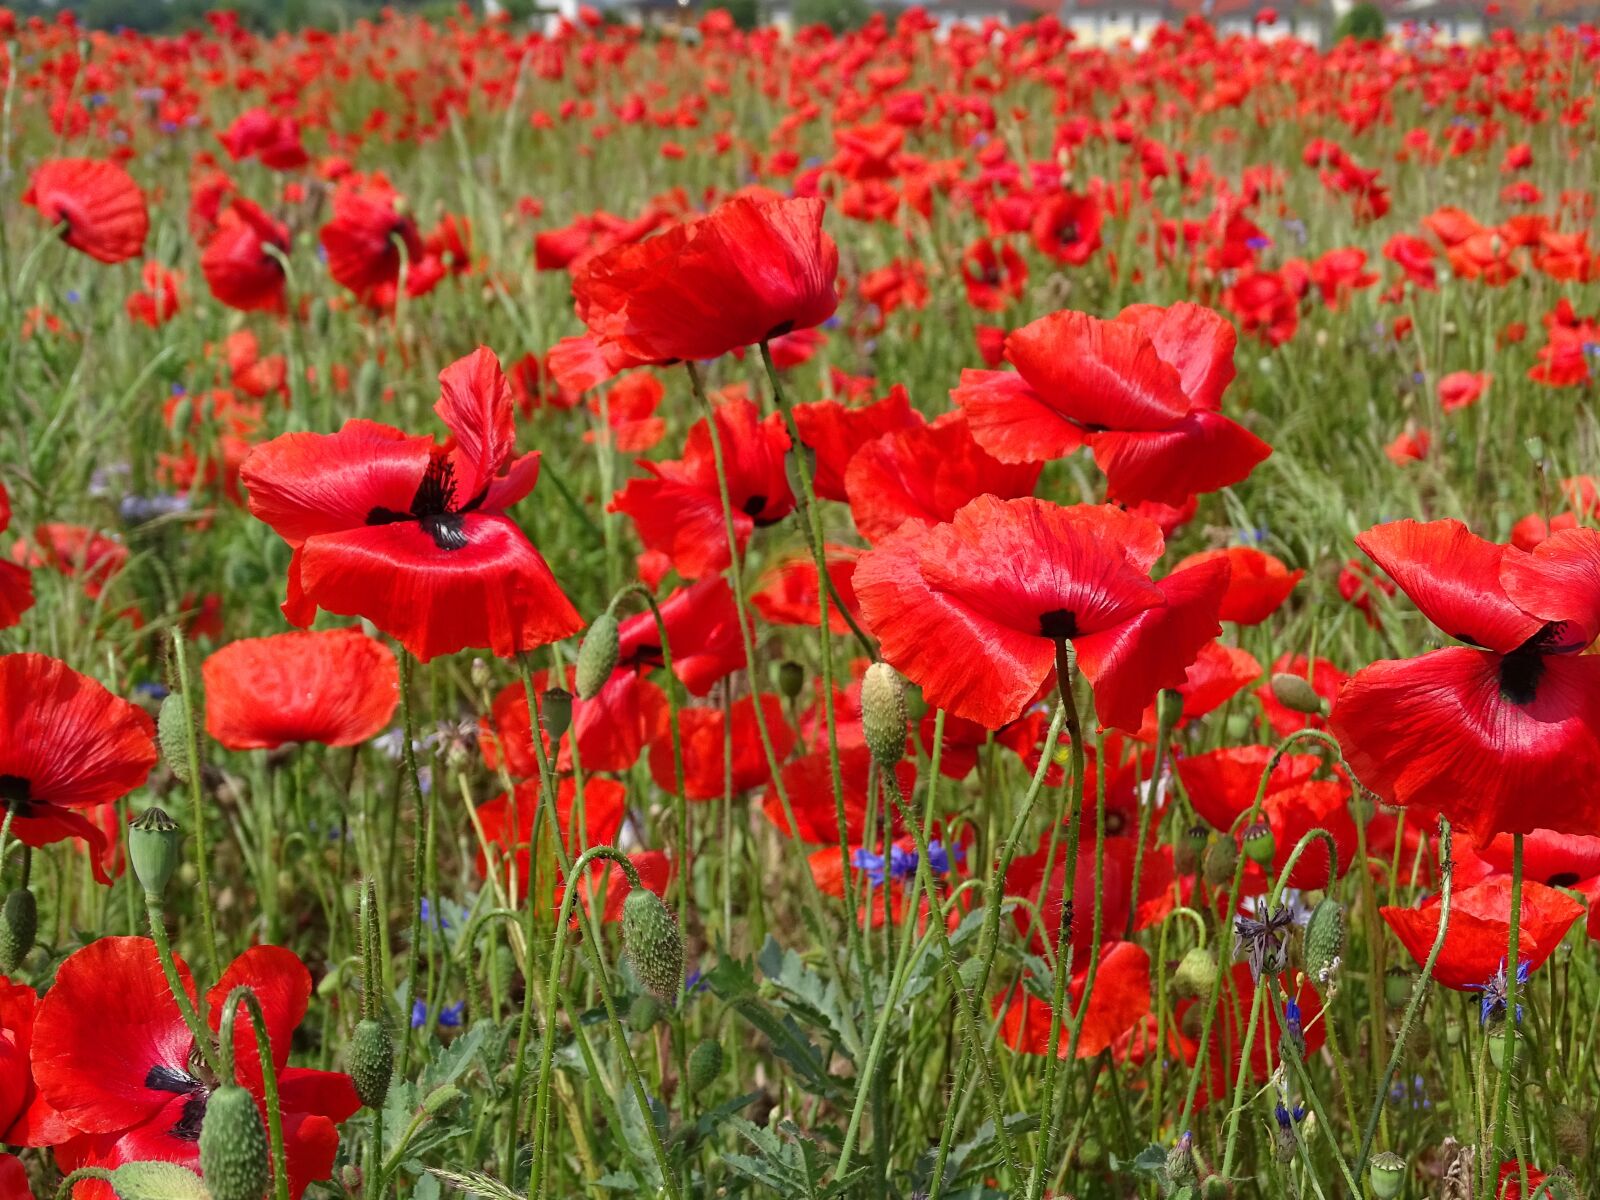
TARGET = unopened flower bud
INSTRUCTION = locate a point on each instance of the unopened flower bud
(482, 674)
(1324, 937)
(372, 1060)
(19, 922)
(791, 678)
(883, 714)
(441, 1098)
(1396, 987)
(1386, 1173)
(597, 656)
(155, 847)
(1191, 849)
(172, 730)
(1297, 695)
(643, 1013)
(1221, 857)
(1180, 1162)
(1196, 974)
(555, 711)
(233, 1146)
(705, 1064)
(1502, 1047)
(653, 943)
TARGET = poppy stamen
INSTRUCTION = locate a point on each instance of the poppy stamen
(162, 1078)
(1059, 624)
(16, 795)
(1520, 672)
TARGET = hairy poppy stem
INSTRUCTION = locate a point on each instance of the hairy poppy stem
(269, 1077)
(1508, 1064)
(180, 994)
(202, 856)
(408, 754)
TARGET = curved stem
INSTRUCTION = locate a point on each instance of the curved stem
(180, 995)
(269, 1077)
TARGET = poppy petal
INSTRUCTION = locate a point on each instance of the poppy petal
(1202, 452)
(1197, 340)
(475, 405)
(1010, 420)
(1104, 373)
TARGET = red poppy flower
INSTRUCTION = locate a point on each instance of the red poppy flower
(678, 511)
(413, 535)
(507, 821)
(993, 278)
(610, 728)
(1225, 1052)
(156, 302)
(788, 593)
(1325, 680)
(338, 688)
(66, 746)
(1415, 257)
(1480, 929)
(1410, 445)
(1142, 391)
(273, 140)
(1501, 735)
(606, 882)
(16, 583)
(1222, 784)
(97, 203)
(749, 272)
(808, 783)
(1066, 228)
(26, 1117)
(702, 623)
(1461, 389)
(702, 734)
(240, 272)
(1119, 1003)
(1509, 1183)
(112, 1053)
(888, 481)
(14, 1183)
(1117, 901)
(972, 610)
(836, 431)
(1258, 585)
(369, 238)
(74, 551)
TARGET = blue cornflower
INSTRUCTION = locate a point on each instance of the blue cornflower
(1287, 1117)
(449, 1014)
(1494, 992)
(429, 917)
(1294, 1031)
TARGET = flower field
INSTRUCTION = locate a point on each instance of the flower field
(939, 610)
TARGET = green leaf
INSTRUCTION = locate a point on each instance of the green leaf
(812, 998)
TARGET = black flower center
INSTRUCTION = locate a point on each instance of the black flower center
(1564, 879)
(1068, 232)
(16, 795)
(162, 1078)
(1520, 672)
(1059, 624)
(434, 506)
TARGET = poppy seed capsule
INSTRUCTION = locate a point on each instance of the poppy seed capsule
(555, 712)
(233, 1146)
(883, 714)
(1196, 974)
(1190, 851)
(1297, 695)
(372, 1060)
(19, 922)
(653, 943)
(155, 847)
(705, 1064)
(172, 730)
(1501, 1046)
(643, 1013)
(791, 678)
(1396, 987)
(1387, 1173)
(1259, 844)
(1221, 857)
(597, 656)
(1324, 937)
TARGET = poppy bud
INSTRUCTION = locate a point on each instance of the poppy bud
(233, 1146)
(19, 921)
(1221, 857)
(555, 712)
(1196, 974)
(643, 1013)
(1535, 448)
(597, 656)
(653, 943)
(1297, 695)
(883, 714)
(1396, 987)
(1169, 708)
(1324, 938)
(172, 728)
(1259, 843)
(1452, 1032)
(155, 846)
(350, 1175)
(1190, 851)
(372, 1060)
(705, 1064)
(791, 678)
(1386, 1173)
(441, 1098)
(1569, 1128)
(1215, 1187)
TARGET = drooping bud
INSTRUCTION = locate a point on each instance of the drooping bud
(791, 678)
(883, 714)
(1191, 849)
(597, 656)
(555, 711)
(155, 847)
(643, 1013)
(19, 922)
(1259, 844)
(1221, 857)
(1196, 974)
(172, 730)
(653, 943)
(1297, 695)
(372, 1060)
(1387, 1173)
(1324, 938)
(233, 1146)
(442, 1097)
(705, 1064)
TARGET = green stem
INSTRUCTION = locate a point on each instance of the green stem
(269, 1077)
(180, 995)
(202, 855)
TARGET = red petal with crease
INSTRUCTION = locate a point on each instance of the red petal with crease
(1203, 452)
(475, 405)
(1559, 581)
(1197, 341)
(1011, 421)
(1479, 932)
(1105, 373)
(282, 985)
(836, 431)
(1120, 1000)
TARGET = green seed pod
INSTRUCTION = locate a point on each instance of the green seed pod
(372, 1060)
(1501, 1048)
(643, 1013)
(705, 1064)
(1324, 937)
(481, 673)
(1569, 1127)
(1396, 987)
(233, 1146)
(555, 711)
(1190, 851)
(1196, 974)
(653, 943)
(791, 678)
(1169, 708)
(1215, 1187)
(1297, 695)
(1259, 844)
(1386, 1173)
(172, 729)
(1452, 1032)
(883, 714)
(155, 847)
(597, 656)
(19, 922)
(1221, 857)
